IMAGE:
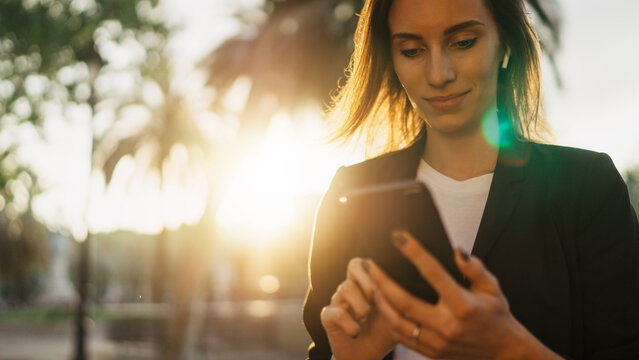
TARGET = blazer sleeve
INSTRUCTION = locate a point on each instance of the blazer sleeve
(608, 258)
(331, 248)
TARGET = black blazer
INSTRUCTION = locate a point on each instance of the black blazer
(558, 231)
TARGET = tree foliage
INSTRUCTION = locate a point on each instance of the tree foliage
(61, 58)
(97, 56)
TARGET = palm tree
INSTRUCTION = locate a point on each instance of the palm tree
(172, 125)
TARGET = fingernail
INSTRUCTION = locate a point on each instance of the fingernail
(463, 255)
(398, 238)
(366, 266)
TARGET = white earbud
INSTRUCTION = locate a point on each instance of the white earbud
(504, 63)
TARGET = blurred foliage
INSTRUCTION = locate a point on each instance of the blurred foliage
(56, 54)
(16, 187)
(297, 49)
(104, 60)
(122, 266)
(65, 314)
(42, 40)
(23, 258)
(61, 58)
(24, 252)
(31, 314)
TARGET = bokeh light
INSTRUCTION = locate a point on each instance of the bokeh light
(269, 284)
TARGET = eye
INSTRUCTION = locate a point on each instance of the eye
(466, 44)
(409, 53)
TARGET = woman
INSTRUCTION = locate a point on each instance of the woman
(554, 239)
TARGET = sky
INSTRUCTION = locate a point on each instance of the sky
(596, 109)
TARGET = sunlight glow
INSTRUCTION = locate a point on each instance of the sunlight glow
(262, 193)
(259, 202)
(138, 199)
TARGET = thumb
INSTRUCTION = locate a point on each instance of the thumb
(473, 268)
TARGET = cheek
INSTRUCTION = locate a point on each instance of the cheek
(482, 73)
(481, 69)
(410, 79)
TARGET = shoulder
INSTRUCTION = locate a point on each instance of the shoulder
(574, 164)
(586, 179)
(374, 170)
(566, 155)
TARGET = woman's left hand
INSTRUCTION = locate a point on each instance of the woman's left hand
(465, 323)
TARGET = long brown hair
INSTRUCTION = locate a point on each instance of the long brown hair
(372, 101)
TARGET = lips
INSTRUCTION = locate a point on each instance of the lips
(446, 102)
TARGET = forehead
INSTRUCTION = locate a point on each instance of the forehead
(434, 16)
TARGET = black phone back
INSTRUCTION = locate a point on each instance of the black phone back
(374, 212)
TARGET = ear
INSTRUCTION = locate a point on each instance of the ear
(504, 62)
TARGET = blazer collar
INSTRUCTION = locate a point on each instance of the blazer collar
(511, 161)
(403, 163)
(504, 194)
(505, 189)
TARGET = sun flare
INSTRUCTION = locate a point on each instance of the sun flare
(259, 202)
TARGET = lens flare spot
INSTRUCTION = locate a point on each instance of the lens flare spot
(497, 130)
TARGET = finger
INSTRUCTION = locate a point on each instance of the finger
(430, 269)
(337, 319)
(404, 301)
(357, 272)
(349, 296)
(404, 329)
(481, 278)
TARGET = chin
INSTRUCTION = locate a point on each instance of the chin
(449, 123)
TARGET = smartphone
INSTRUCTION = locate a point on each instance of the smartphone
(375, 211)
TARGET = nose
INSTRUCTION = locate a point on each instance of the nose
(440, 70)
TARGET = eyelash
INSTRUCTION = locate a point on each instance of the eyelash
(464, 45)
(405, 53)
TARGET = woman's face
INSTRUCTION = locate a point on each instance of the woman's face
(446, 54)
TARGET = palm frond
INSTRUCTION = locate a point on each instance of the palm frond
(298, 54)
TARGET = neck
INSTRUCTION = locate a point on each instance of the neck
(464, 155)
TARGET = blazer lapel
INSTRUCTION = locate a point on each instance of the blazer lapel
(505, 191)
(402, 164)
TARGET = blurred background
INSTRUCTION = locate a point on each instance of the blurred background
(161, 162)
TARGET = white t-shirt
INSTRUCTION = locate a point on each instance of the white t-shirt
(460, 205)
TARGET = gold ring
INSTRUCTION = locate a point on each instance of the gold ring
(416, 331)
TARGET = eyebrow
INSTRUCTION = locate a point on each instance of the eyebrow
(448, 31)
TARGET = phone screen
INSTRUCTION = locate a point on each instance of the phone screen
(374, 212)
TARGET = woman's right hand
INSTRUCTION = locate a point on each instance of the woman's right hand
(353, 324)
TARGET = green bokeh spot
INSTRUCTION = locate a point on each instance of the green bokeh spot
(496, 129)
